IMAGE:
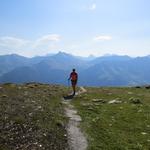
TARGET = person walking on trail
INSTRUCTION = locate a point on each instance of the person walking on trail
(74, 78)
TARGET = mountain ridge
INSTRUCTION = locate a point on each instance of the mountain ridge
(113, 70)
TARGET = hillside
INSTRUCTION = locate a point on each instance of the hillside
(32, 117)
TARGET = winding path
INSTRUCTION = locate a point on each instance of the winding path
(76, 138)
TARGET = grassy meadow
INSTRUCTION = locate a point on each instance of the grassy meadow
(32, 117)
(115, 118)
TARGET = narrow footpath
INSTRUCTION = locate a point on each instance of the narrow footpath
(76, 138)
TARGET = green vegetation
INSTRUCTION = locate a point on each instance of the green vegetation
(115, 118)
(32, 117)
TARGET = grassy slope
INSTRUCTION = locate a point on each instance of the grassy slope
(124, 126)
(31, 117)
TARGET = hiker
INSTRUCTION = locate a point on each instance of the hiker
(74, 78)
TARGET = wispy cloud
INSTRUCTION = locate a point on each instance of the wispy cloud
(92, 7)
(47, 39)
(50, 37)
(103, 38)
(12, 42)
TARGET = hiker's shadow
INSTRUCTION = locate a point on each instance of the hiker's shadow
(68, 97)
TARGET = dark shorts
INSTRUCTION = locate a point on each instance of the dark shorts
(73, 82)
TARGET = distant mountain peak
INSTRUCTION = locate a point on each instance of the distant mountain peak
(91, 56)
(63, 54)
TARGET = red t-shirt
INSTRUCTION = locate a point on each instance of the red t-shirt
(73, 76)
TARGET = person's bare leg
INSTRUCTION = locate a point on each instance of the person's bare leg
(74, 89)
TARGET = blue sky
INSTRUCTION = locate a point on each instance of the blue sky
(80, 27)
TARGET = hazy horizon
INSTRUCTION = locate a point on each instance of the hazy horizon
(90, 55)
(97, 27)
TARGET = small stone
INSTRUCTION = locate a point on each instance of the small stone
(130, 93)
(94, 120)
(39, 107)
(40, 145)
(139, 110)
(138, 87)
(90, 108)
(44, 134)
(30, 114)
(121, 108)
(143, 133)
(98, 100)
(148, 140)
(4, 96)
(35, 143)
(114, 102)
(147, 87)
(86, 104)
(135, 100)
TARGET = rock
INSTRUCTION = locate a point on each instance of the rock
(86, 104)
(98, 101)
(135, 100)
(30, 114)
(90, 108)
(147, 87)
(139, 111)
(115, 101)
(31, 86)
(143, 133)
(130, 93)
(4, 96)
(148, 140)
(138, 87)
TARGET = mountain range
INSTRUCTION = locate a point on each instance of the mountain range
(111, 70)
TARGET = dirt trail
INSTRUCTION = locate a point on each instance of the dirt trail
(76, 139)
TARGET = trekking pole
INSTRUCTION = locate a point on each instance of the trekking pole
(68, 86)
(68, 83)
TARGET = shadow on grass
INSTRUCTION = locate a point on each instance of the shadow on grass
(69, 97)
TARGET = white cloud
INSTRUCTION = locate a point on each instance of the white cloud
(47, 39)
(92, 7)
(12, 42)
(103, 38)
(41, 45)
